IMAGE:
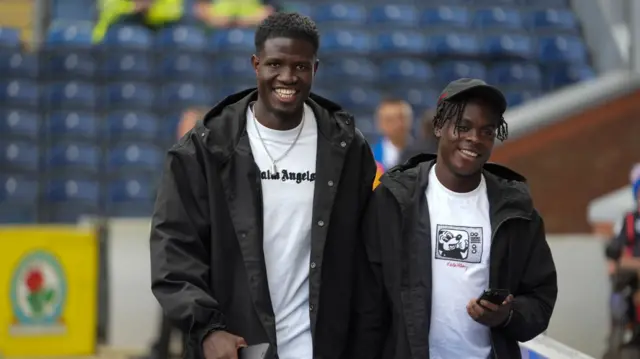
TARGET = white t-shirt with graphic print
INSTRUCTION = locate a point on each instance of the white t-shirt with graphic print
(461, 245)
(287, 198)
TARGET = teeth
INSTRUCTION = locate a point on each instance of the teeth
(469, 153)
(286, 93)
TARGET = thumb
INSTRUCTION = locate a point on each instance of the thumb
(241, 343)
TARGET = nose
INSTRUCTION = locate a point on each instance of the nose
(287, 76)
(473, 136)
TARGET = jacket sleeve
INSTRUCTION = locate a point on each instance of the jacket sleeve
(371, 310)
(538, 290)
(180, 245)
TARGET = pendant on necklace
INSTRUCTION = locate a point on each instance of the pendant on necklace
(274, 169)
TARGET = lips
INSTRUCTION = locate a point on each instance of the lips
(469, 154)
(285, 94)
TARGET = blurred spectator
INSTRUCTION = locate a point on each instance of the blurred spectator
(189, 119)
(152, 13)
(426, 143)
(224, 13)
(394, 118)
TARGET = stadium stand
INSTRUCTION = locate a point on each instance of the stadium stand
(97, 119)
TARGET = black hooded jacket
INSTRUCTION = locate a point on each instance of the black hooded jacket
(394, 312)
(207, 260)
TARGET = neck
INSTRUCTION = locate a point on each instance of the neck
(457, 183)
(399, 143)
(276, 122)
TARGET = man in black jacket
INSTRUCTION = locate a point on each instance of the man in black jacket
(441, 230)
(256, 225)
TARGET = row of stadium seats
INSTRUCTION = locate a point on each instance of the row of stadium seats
(25, 198)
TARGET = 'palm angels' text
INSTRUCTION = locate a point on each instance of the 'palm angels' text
(285, 175)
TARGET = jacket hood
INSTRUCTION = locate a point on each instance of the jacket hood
(224, 125)
(507, 189)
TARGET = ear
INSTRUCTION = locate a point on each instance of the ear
(315, 66)
(437, 132)
(255, 61)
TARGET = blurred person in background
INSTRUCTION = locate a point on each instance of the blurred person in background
(161, 346)
(439, 231)
(255, 232)
(394, 117)
(152, 13)
(225, 13)
(426, 143)
(624, 253)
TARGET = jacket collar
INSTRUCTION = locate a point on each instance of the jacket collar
(507, 190)
(224, 125)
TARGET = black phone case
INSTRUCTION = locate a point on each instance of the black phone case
(495, 296)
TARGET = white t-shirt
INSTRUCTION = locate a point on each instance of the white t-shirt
(461, 244)
(287, 199)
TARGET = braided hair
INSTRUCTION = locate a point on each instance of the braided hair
(454, 109)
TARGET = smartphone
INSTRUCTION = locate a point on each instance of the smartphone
(495, 296)
(258, 351)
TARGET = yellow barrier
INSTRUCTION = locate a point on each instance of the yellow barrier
(48, 291)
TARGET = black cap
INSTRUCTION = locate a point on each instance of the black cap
(460, 87)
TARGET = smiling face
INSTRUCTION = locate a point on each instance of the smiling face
(466, 146)
(285, 68)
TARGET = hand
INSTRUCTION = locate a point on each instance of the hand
(222, 345)
(490, 314)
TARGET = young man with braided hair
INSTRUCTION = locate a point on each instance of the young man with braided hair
(255, 233)
(439, 231)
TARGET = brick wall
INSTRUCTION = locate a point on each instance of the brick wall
(572, 162)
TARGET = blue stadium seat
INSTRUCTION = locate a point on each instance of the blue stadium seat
(499, 18)
(130, 95)
(137, 156)
(186, 66)
(346, 42)
(340, 14)
(453, 70)
(508, 45)
(356, 69)
(19, 155)
(461, 44)
(19, 123)
(18, 198)
(181, 38)
(9, 37)
(16, 188)
(236, 67)
(65, 35)
(405, 70)
(446, 17)
(558, 20)
(515, 98)
(70, 64)
(131, 197)
(365, 122)
(128, 65)
(128, 37)
(567, 75)
(72, 95)
(133, 125)
(76, 156)
(73, 10)
(515, 74)
(357, 99)
(419, 97)
(15, 63)
(482, 3)
(69, 198)
(229, 41)
(80, 125)
(561, 49)
(19, 92)
(184, 94)
(393, 15)
(400, 42)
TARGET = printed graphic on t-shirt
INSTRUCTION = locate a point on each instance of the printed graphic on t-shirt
(459, 243)
(288, 176)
